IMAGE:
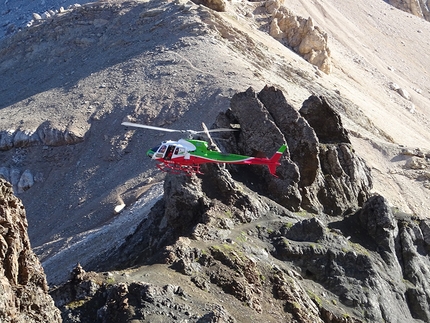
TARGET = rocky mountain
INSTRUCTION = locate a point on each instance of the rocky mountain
(341, 235)
(274, 264)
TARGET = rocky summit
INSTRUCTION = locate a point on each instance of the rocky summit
(339, 234)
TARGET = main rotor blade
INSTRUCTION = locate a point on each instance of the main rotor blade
(217, 130)
(189, 132)
(138, 125)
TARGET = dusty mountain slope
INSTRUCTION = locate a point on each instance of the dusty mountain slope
(370, 50)
(178, 64)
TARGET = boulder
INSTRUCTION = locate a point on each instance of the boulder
(14, 176)
(52, 136)
(307, 230)
(6, 140)
(24, 138)
(416, 163)
(26, 181)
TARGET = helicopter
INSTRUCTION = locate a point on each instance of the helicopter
(187, 155)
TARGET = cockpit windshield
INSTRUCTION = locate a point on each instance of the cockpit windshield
(155, 148)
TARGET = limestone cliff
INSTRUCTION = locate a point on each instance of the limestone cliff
(23, 289)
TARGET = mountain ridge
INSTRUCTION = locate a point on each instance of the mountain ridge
(73, 78)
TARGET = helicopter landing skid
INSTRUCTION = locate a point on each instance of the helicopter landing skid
(177, 169)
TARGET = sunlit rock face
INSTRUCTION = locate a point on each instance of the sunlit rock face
(23, 287)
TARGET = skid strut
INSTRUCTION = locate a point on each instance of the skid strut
(174, 168)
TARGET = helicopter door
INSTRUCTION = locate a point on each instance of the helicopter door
(169, 152)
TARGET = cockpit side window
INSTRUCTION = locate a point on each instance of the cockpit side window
(160, 152)
(179, 151)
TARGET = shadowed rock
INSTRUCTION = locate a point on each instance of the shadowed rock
(326, 123)
(381, 256)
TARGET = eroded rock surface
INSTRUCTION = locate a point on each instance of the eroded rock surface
(90, 297)
(23, 289)
(217, 5)
(299, 33)
(364, 256)
(320, 171)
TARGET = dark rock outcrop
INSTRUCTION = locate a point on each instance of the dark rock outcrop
(174, 216)
(378, 222)
(326, 123)
(89, 297)
(369, 266)
(413, 246)
(321, 172)
(183, 211)
(380, 256)
(23, 289)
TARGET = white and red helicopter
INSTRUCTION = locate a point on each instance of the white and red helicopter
(186, 155)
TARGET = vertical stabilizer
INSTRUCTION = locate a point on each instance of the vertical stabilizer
(274, 161)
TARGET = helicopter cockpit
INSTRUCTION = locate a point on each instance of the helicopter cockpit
(167, 151)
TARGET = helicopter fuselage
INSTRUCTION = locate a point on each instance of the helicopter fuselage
(190, 152)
